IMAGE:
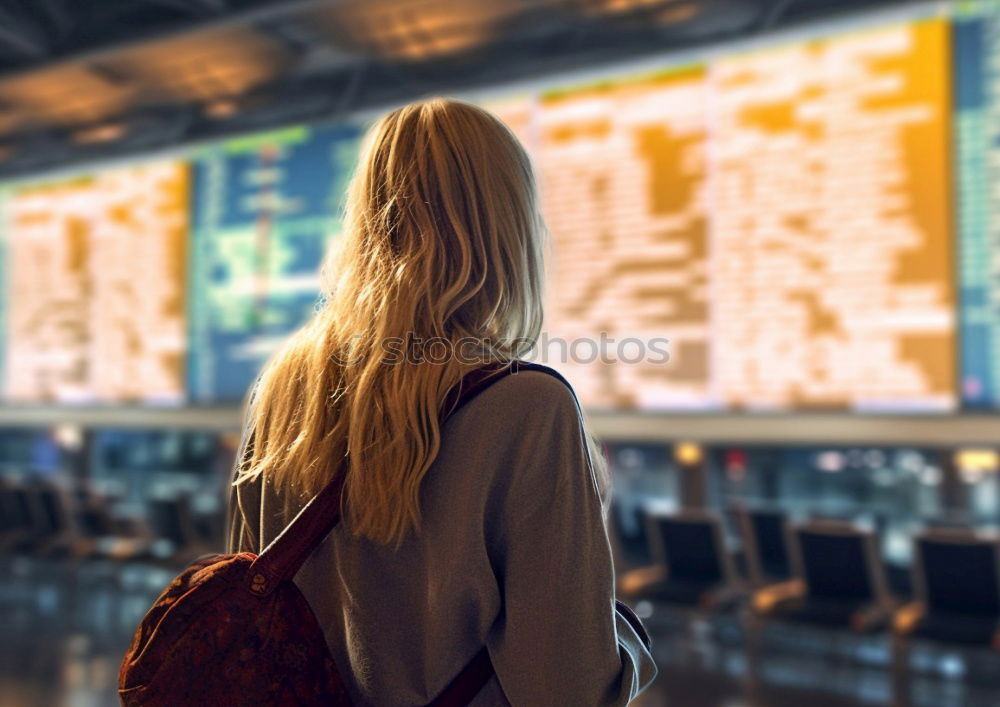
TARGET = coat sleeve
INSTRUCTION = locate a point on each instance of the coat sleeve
(560, 639)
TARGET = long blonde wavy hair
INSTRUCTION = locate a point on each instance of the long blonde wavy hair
(443, 240)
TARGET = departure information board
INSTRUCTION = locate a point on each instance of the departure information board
(623, 174)
(808, 224)
(264, 210)
(831, 223)
(95, 292)
(976, 32)
(781, 217)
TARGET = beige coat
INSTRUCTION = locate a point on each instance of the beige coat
(512, 554)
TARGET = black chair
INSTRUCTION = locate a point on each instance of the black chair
(52, 519)
(765, 536)
(956, 574)
(15, 515)
(177, 538)
(105, 536)
(629, 550)
(62, 526)
(692, 568)
(839, 579)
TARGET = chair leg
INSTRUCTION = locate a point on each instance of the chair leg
(753, 642)
(900, 671)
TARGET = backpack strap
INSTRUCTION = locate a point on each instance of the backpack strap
(467, 683)
(284, 555)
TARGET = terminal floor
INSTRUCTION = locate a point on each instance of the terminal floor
(63, 633)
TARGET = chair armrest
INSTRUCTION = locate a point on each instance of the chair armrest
(636, 581)
(872, 616)
(723, 597)
(995, 644)
(906, 618)
(766, 599)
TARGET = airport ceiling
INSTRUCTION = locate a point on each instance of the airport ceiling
(86, 79)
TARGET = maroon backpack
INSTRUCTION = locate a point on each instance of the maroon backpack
(236, 630)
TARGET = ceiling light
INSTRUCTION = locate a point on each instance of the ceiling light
(106, 132)
(221, 109)
(666, 12)
(688, 453)
(977, 460)
(415, 30)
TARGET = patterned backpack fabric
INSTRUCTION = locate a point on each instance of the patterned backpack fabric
(236, 630)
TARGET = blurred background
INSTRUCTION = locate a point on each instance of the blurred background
(799, 195)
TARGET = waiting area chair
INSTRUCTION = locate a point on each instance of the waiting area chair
(16, 524)
(839, 579)
(956, 575)
(766, 541)
(692, 565)
(174, 524)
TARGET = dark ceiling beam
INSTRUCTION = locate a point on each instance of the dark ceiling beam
(22, 37)
(58, 15)
(197, 8)
(260, 11)
(531, 49)
(773, 13)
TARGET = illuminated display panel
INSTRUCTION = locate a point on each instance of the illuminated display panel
(518, 113)
(782, 217)
(623, 174)
(977, 136)
(95, 291)
(265, 209)
(831, 225)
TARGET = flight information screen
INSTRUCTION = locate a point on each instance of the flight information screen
(807, 224)
(832, 251)
(264, 210)
(977, 139)
(624, 184)
(781, 218)
(95, 287)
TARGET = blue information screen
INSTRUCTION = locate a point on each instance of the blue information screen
(977, 148)
(265, 208)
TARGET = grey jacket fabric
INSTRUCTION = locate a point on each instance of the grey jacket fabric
(512, 553)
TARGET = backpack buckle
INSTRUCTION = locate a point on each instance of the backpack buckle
(258, 583)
